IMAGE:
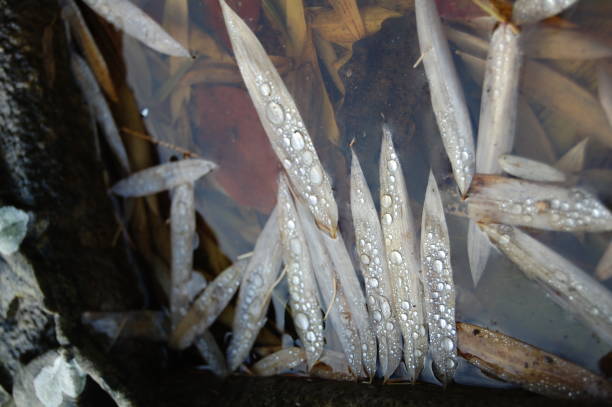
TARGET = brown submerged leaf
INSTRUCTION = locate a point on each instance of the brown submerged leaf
(517, 362)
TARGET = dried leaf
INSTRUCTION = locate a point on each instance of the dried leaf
(280, 362)
(373, 262)
(348, 13)
(401, 244)
(255, 290)
(517, 362)
(303, 293)
(283, 124)
(127, 17)
(446, 94)
(162, 177)
(438, 285)
(531, 170)
(531, 11)
(538, 205)
(574, 160)
(93, 55)
(557, 43)
(603, 271)
(207, 307)
(93, 94)
(567, 285)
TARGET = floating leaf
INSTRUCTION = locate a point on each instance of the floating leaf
(533, 369)
(531, 11)
(282, 122)
(373, 262)
(403, 262)
(446, 94)
(567, 285)
(127, 17)
(534, 204)
(438, 285)
(162, 177)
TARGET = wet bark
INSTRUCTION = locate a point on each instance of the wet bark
(68, 263)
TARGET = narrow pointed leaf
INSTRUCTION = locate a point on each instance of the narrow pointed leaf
(280, 362)
(533, 369)
(255, 289)
(446, 93)
(208, 305)
(531, 11)
(603, 271)
(90, 88)
(534, 204)
(303, 299)
(162, 177)
(127, 17)
(558, 43)
(574, 160)
(209, 349)
(571, 288)
(531, 170)
(604, 91)
(333, 295)
(438, 285)
(373, 262)
(182, 230)
(402, 259)
(282, 123)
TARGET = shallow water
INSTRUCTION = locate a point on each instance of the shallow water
(189, 104)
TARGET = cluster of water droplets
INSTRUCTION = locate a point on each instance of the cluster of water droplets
(460, 150)
(302, 286)
(579, 210)
(439, 300)
(294, 147)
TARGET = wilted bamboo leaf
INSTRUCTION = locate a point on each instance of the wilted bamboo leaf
(373, 261)
(533, 369)
(467, 42)
(349, 283)
(603, 271)
(209, 349)
(531, 11)
(303, 293)
(280, 362)
(403, 263)
(282, 122)
(89, 86)
(348, 13)
(571, 288)
(604, 91)
(438, 285)
(446, 94)
(332, 366)
(72, 14)
(182, 230)
(553, 89)
(162, 177)
(574, 159)
(539, 205)
(531, 170)
(207, 307)
(556, 43)
(127, 17)
(340, 315)
(496, 129)
(255, 290)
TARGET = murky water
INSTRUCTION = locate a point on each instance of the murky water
(202, 106)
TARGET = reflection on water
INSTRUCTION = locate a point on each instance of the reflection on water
(202, 106)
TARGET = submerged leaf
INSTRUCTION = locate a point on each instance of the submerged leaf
(571, 288)
(517, 362)
(603, 271)
(574, 160)
(127, 17)
(556, 43)
(438, 285)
